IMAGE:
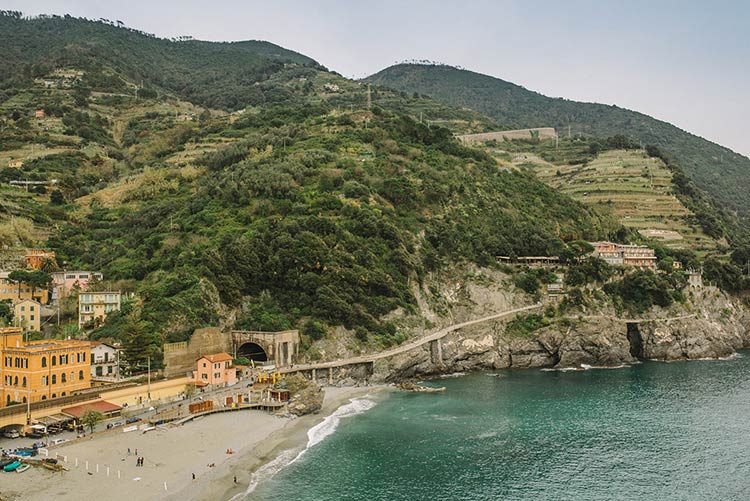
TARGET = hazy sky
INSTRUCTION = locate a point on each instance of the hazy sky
(686, 62)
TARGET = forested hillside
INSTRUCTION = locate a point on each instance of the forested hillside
(115, 59)
(723, 173)
(312, 210)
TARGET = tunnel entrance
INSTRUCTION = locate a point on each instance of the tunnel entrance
(636, 341)
(253, 351)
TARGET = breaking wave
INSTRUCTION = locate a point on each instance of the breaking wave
(315, 435)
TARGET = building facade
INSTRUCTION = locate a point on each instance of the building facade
(35, 258)
(41, 370)
(216, 369)
(105, 361)
(637, 256)
(27, 315)
(95, 306)
(17, 292)
(63, 282)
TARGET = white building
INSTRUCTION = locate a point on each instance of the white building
(105, 361)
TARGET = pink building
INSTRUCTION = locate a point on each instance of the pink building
(65, 281)
(216, 369)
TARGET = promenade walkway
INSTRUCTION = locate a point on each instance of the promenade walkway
(407, 346)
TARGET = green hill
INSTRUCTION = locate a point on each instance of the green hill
(721, 172)
(114, 58)
(308, 208)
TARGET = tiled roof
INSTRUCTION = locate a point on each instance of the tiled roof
(217, 357)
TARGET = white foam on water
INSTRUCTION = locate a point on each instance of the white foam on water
(452, 375)
(315, 435)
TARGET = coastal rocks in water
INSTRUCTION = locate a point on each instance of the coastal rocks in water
(689, 339)
(600, 343)
(410, 386)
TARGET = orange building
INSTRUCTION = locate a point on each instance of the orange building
(18, 292)
(41, 370)
(215, 369)
(35, 257)
(637, 256)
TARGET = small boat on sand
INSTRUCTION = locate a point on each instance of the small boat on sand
(23, 468)
(12, 466)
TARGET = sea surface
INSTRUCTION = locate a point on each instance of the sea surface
(652, 431)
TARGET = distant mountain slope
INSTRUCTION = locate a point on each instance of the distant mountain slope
(219, 75)
(723, 173)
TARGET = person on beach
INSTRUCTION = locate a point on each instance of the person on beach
(235, 479)
(193, 476)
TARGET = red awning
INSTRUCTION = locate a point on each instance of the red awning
(100, 406)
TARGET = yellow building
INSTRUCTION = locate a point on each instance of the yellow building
(95, 306)
(27, 315)
(15, 292)
(41, 370)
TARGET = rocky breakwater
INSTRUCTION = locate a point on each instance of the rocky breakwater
(710, 325)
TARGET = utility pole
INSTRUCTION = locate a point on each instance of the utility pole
(369, 98)
(148, 388)
(568, 131)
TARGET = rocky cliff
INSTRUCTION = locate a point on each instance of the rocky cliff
(710, 324)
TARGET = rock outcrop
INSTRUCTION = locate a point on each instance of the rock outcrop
(710, 325)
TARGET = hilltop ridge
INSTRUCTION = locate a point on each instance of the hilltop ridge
(716, 169)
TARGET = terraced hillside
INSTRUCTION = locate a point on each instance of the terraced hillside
(634, 187)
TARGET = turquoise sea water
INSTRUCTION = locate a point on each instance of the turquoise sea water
(650, 432)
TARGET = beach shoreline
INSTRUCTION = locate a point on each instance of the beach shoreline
(102, 465)
(281, 445)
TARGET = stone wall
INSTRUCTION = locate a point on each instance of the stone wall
(179, 358)
(543, 132)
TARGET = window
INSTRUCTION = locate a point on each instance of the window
(23, 381)
(204, 365)
(44, 397)
(23, 308)
(31, 317)
(31, 308)
(15, 381)
(44, 380)
(24, 400)
(62, 378)
(62, 394)
(217, 375)
(54, 395)
(204, 376)
(98, 370)
(44, 361)
(54, 360)
(109, 369)
(54, 379)
(72, 376)
(80, 375)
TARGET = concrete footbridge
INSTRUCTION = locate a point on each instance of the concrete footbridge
(435, 338)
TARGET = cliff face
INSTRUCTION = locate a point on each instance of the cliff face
(710, 325)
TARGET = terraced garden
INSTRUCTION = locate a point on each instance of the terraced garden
(635, 188)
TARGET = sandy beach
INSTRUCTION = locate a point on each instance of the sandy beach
(172, 454)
